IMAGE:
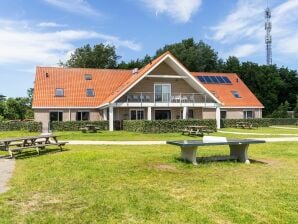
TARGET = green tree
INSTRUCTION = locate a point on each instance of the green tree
(281, 111)
(195, 56)
(296, 108)
(17, 108)
(139, 63)
(98, 56)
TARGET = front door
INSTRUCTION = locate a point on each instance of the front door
(162, 115)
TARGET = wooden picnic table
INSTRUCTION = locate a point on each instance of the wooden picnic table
(238, 148)
(196, 130)
(244, 124)
(90, 128)
(38, 142)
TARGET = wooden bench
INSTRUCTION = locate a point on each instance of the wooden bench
(89, 128)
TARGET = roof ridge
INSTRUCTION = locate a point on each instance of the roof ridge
(105, 69)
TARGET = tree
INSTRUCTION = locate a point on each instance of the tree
(30, 93)
(296, 109)
(17, 108)
(195, 56)
(281, 111)
(100, 56)
(139, 63)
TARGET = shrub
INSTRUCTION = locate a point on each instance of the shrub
(31, 126)
(163, 126)
(259, 122)
(76, 125)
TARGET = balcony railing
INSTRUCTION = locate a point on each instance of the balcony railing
(150, 97)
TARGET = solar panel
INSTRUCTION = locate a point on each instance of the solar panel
(226, 79)
(214, 79)
(201, 79)
(220, 79)
(207, 78)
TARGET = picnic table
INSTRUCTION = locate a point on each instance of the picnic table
(243, 124)
(12, 145)
(238, 148)
(196, 130)
(89, 128)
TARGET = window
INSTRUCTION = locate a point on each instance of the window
(223, 114)
(236, 94)
(162, 92)
(83, 116)
(90, 92)
(88, 77)
(56, 116)
(59, 92)
(137, 114)
(163, 115)
(248, 114)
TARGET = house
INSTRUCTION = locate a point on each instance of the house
(163, 89)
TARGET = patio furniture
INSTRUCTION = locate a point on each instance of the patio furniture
(238, 148)
(12, 145)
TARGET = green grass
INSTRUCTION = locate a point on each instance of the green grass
(264, 130)
(147, 184)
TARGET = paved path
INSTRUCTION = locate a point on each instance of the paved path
(260, 134)
(6, 169)
(284, 127)
(76, 142)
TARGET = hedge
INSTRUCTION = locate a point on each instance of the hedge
(163, 126)
(76, 125)
(259, 122)
(31, 126)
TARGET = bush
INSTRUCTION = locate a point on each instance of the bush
(259, 122)
(31, 126)
(163, 126)
(76, 125)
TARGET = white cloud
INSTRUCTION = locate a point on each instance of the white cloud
(180, 11)
(244, 27)
(243, 50)
(20, 44)
(75, 6)
(51, 25)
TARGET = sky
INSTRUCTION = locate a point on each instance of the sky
(44, 32)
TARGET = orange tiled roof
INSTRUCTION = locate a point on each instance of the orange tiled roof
(224, 91)
(108, 84)
(104, 82)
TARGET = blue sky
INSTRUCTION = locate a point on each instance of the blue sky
(42, 32)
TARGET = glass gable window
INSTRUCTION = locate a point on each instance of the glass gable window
(236, 94)
(162, 92)
(248, 114)
(83, 116)
(56, 116)
(59, 92)
(90, 92)
(137, 114)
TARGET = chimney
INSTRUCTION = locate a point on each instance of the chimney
(135, 71)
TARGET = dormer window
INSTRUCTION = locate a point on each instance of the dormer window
(88, 77)
(59, 92)
(236, 94)
(90, 92)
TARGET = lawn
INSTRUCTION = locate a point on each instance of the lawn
(147, 184)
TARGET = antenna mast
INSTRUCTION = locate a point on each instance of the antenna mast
(268, 37)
